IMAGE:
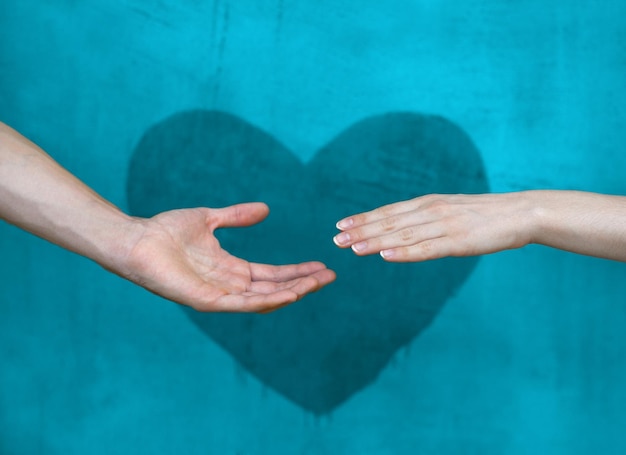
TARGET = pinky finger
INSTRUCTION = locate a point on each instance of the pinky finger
(255, 303)
(423, 251)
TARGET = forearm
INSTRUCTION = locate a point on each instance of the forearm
(586, 223)
(38, 195)
(440, 225)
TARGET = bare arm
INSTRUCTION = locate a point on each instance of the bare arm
(436, 226)
(173, 254)
(40, 196)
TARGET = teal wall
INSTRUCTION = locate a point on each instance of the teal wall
(329, 106)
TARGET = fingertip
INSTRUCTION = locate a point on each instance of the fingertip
(364, 248)
(342, 240)
(263, 206)
(310, 268)
(243, 214)
(317, 265)
(344, 224)
(332, 276)
(325, 277)
(388, 255)
(260, 208)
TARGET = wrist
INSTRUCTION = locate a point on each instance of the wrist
(533, 214)
(543, 216)
(516, 216)
(117, 240)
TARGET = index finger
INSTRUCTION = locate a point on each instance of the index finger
(380, 213)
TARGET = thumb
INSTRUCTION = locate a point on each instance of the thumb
(240, 215)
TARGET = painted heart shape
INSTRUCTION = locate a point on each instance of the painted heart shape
(318, 352)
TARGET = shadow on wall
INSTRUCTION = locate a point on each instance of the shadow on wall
(322, 350)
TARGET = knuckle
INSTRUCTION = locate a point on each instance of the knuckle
(406, 234)
(386, 210)
(439, 206)
(387, 224)
(427, 250)
(424, 250)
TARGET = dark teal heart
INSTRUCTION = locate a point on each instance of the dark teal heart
(322, 350)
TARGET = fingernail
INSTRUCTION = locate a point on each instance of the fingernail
(345, 224)
(387, 254)
(342, 239)
(359, 246)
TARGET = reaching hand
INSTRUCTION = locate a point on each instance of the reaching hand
(178, 257)
(173, 254)
(434, 226)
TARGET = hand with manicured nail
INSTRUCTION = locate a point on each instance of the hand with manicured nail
(436, 226)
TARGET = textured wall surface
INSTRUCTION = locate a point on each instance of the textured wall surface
(319, 108)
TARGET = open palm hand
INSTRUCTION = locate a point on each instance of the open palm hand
(178, 257)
